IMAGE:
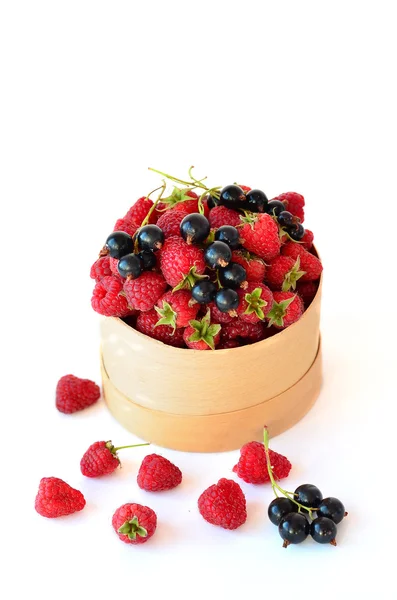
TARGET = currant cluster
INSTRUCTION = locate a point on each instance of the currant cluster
(135, 254)
(304, 512)
(234, 197)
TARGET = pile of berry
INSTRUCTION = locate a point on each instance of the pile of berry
(212, 271)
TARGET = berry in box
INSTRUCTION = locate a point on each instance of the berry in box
(211, 306)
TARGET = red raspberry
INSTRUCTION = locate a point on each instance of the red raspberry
(202, 335)
(101, 459)
(74, 394)
(106, 299)
(219, 317)
(255, 267)
(308, 262)
(134, 523)
(180, 262)
(294, 203)
(176, 309)
(142, 293)
(228, 344)
(307, 240)
(239, 330)
(100, 268)
(113, 262)
(223, 504)
(56, 498)
(283, 273)
(147, 323)
(245, 188)
(126, 225)
(220, 215)
(170, 221)
(138, 211)
(307, 291)
(255, 302)
(260, 235)
(287, 309)
(182, 199)
(156, 474)
(252, 465)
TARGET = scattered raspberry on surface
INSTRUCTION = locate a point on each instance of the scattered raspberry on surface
(74, 394)
(56, 498)
(142, 293)
(134, 523)
(260, 235)
(223, 504)
(99, 460)
(100, 268)
(157, 473)
(106, 299)
(146, 323)
(252, 466)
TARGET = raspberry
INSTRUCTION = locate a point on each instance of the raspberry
(74, 394)
(245, 188)
(100, 268)
(101, 459)
(260, 235)
(181, 263)
(252, 332)
(308, 262)
(138, 211)
(283, 273)
(307, 291)
(307, 240)
(287, 309)
(228, 344)
(142, 293)
(223, 504)
(106, 299)
(176, 310)
(255, 267)
(182, 199)
(252, 466)
(113, 262)
(219, 317)
(220, 215)
(202, 335)
(255, 302)
(147, 323)
(170, 221)
(156, 474)
(134, 523)
(294, 203)
(126, 225)
(56, 498)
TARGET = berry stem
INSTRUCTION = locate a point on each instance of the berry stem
(133, 446)
(275, 486)
(152, 208)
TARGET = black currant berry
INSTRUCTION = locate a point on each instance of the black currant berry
(218, 254)
(280, 508)
(150, 237)
(275, 207)
(229, 235)
(194, 228)
(308, 495)
(204, 291)
(232, 196)
(226, 300)
(286, 219)
(130, 265)
(232, 276)
(323, 531)
(211, 201)
(257, 201)
(331, 508)
(119, 244)
(294, 528)
(148, 260)
(296, 232)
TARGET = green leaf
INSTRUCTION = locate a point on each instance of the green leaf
(278, 312)
(255, 303)
(204, 331)
(167, 315)
(189, 280)
(292, 277)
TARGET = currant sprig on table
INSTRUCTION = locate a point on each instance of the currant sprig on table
(303, 512)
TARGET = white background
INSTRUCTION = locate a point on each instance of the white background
(277, 95)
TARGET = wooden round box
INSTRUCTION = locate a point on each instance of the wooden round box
(216, 400)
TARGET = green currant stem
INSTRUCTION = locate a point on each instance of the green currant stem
(275, 485)
(152, 208)
(133, 446)
(171, 178)
(192, 177)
